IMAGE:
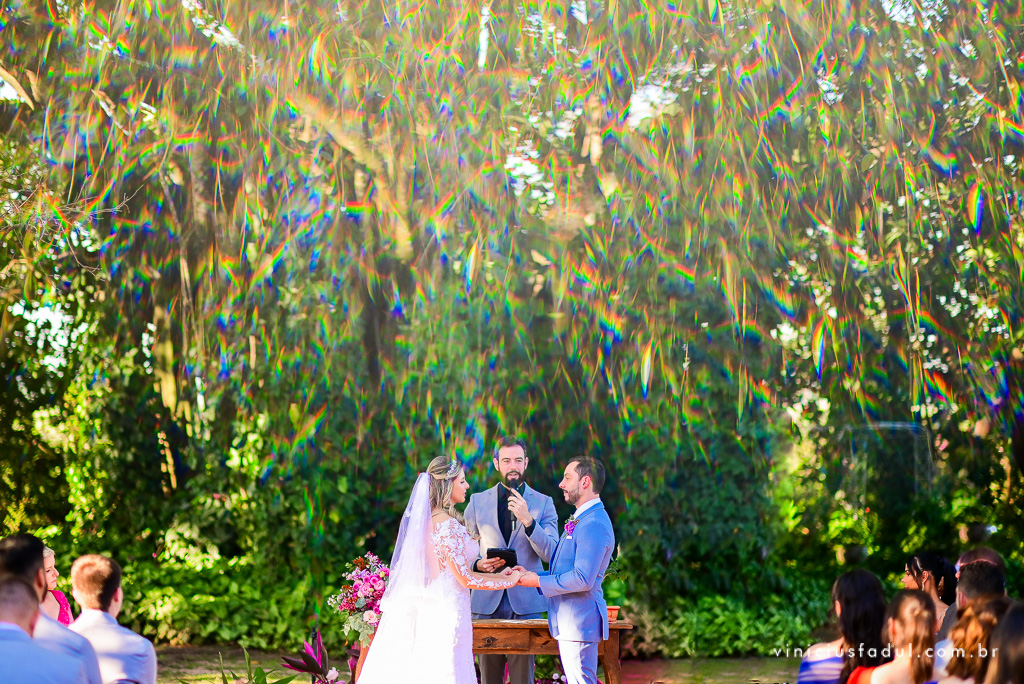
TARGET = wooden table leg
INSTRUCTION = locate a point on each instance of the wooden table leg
(610, 659)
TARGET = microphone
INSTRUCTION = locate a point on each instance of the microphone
(515, 520)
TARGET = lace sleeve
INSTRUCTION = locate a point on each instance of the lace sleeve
(451, 551)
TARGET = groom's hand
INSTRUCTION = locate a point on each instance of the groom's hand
(529, 579)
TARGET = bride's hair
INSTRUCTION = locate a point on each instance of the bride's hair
(443, 472)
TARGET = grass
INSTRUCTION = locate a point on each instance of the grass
(711, 671)
(201, 665)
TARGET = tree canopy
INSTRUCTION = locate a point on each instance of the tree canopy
(292, 250)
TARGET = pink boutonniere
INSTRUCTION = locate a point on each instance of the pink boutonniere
(570, 525)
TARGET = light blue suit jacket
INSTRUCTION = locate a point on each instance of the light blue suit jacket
(24, 662)
(531, 551)
(124, 656)
(576, 607)
(54, 636)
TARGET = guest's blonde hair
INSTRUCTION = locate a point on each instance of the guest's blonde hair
(48, 552)
(95, 580)
(443, 473)
(914, 612)
(970, 636)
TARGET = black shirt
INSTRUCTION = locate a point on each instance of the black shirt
(505, 516)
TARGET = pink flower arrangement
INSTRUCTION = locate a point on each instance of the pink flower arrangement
(359, 602)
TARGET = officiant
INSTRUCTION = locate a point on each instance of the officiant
(513, 522)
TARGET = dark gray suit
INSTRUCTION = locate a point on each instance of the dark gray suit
(532, 551)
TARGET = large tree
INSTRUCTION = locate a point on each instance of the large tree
(332, 231)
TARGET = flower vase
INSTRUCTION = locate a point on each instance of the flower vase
(363, 651)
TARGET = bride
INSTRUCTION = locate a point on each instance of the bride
(426, 629)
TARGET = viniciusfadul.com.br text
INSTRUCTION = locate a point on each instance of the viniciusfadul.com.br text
(887, 653)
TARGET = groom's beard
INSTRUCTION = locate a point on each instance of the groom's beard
(572, 497)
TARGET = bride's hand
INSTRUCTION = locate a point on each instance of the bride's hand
(513, 575)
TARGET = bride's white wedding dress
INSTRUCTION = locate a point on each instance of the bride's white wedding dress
(426, 633)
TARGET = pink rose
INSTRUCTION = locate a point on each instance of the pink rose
(371, 618)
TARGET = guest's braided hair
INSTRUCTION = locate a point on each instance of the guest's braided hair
(941, 570)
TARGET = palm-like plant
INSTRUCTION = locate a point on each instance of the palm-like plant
(314, 661)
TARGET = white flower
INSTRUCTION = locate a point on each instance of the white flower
(332, 674)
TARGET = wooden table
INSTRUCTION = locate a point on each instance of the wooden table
(532, 637)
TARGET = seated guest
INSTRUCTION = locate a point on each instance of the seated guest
(56, 603)
(981, 553)
(859, 604)
(910, 627)
(978, 580)
(21, 555)
(969, 640)
(23, 661)
(1006, 648)
(123, 654)
(932, 574)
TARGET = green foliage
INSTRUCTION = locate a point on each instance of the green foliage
(228, 602)
(301, 255)
(547, 667)
(717, 625)
(252, 676)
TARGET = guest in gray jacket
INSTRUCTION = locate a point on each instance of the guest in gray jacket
(511, 515)
(577, 614)
(123, 654)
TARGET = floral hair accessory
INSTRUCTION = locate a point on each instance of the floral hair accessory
(452, 471)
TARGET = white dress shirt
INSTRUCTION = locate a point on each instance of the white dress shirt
(589, 504)
(24, 662)
(53, 636)
(124, 656)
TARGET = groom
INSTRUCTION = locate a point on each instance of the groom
(511, 514)
(577, 614)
